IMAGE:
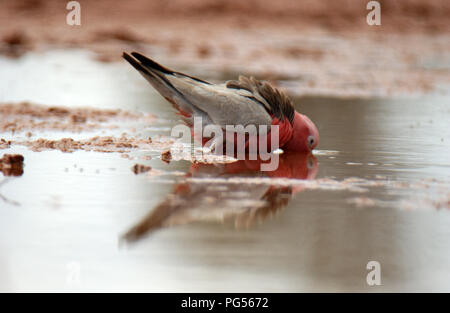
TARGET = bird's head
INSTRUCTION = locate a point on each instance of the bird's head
(305, 136)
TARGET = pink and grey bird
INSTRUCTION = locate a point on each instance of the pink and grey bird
(246, 101)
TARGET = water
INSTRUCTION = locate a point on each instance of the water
(379, 190)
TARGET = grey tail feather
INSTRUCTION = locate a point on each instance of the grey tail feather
(156, 77)
(150, 63)
(155, 69)
(156, 66)
(137, 65)
(151, 71)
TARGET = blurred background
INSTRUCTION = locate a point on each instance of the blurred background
(313, 46)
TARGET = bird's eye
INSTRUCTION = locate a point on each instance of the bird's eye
(311, 141)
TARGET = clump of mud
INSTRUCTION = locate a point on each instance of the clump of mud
(98, 143)
(166, 156)
(5, 144)
(141, 168)
(17, 117)
(11, 164)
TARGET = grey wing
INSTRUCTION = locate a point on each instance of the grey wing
(223, 105)
(216, 104)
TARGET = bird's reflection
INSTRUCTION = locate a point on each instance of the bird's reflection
(223, 193)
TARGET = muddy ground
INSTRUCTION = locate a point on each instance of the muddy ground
(310, 47)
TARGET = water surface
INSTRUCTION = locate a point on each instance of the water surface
(378, 190)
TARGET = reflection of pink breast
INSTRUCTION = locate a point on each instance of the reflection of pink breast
(292, 165)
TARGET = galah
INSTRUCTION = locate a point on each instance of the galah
(221, 201)
(246, 101)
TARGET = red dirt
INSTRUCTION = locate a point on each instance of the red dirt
(17, 117)
(166, 156)
(320, 46)
(140, 168)
(98, 144)
(11, 164)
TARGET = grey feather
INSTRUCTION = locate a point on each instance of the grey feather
(276, 102)
(243, 102)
